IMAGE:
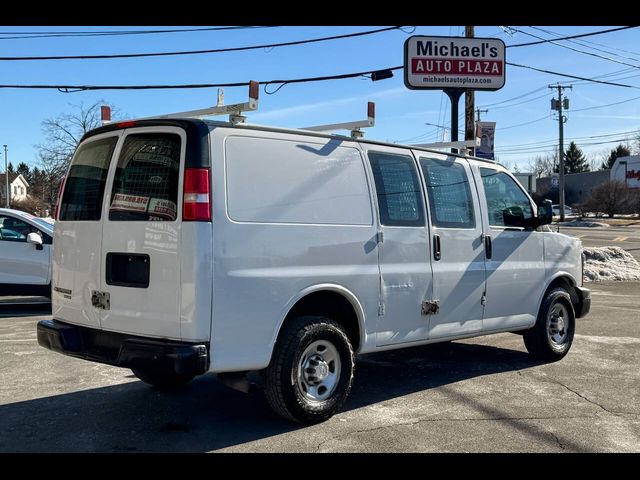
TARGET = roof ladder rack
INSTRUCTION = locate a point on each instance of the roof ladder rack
(234, 110)
(355, 127)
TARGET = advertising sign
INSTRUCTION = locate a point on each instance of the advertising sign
(627, 170)
(454, 62)
(486, 132)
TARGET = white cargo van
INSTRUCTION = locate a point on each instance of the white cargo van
(185, 246)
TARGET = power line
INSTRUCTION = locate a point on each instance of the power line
(525, 123)
(198, 52)
(572, 76)
(555, 146)
(546, 94)
(587, 43)
(515, 98)
(78, 88)
(25, 35)
(554, 42)
(549, 142)
(600, 32)
(605, 105)
(584, 43)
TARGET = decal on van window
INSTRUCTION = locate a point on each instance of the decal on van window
(129, 203)
(145, 187)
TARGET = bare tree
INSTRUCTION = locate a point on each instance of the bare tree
(62, 135)
(610, 198)
(543, 165)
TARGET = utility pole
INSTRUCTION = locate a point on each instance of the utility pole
(469, 103)
(478, 112)
(6, 176)
(558, 104)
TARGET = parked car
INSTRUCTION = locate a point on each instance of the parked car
(25, 254)
(568, 211)
(185, 246)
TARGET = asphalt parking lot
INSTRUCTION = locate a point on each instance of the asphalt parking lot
(627, 237)
(481, 395)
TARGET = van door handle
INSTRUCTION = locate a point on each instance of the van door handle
(437, 254)
(488, 249)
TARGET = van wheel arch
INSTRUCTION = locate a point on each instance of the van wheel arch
(566, 283)
(331, 304)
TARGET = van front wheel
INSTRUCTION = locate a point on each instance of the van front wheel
(311, 370)
(162, 378)
(551, 337)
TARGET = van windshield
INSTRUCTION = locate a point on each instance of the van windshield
(145, 187)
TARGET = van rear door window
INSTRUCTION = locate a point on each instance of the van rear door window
(84, 185)
(145, 187)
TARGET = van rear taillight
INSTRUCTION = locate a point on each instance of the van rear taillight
(196, 204)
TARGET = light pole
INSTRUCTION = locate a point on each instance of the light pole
(6, 175)
(624, 162)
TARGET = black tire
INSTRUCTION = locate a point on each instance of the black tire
(283, 384)
(162, 378)
(539, 340)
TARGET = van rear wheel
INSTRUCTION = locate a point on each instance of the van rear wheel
(162, 378)
(311, 370)
(551, 337)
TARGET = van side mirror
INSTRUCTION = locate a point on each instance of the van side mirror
(545, 213)
(514, 217)
(35, 239)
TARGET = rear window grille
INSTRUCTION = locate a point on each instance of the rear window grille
(145, 187)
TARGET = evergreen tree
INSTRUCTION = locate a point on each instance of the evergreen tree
(10, 168)
(574, 160)
(23, 169)
(620, 151)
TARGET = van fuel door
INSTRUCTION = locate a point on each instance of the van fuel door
(101, 300)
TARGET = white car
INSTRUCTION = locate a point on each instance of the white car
(567, 211)
(25, 254)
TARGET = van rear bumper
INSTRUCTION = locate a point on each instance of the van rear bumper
(123, 350)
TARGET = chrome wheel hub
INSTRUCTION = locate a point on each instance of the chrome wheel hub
(319, 371)
(558, 324)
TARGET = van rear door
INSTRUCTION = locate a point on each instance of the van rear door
(141, 234)
(78, 232)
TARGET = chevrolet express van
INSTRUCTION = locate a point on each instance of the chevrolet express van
(185, 246)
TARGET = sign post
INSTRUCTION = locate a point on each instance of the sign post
(454, 65)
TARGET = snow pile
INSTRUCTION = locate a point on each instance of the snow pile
(610, 264)
(584, 223)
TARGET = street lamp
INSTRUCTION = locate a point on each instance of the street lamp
(444, 129)
(624, 162)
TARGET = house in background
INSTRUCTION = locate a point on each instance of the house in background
(17, 186)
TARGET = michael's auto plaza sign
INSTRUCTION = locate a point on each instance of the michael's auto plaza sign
(454, 62)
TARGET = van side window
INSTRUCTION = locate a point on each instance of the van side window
(145, 187)
(84, 185)
(398, 190)
(502, 193)
(450, 200)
